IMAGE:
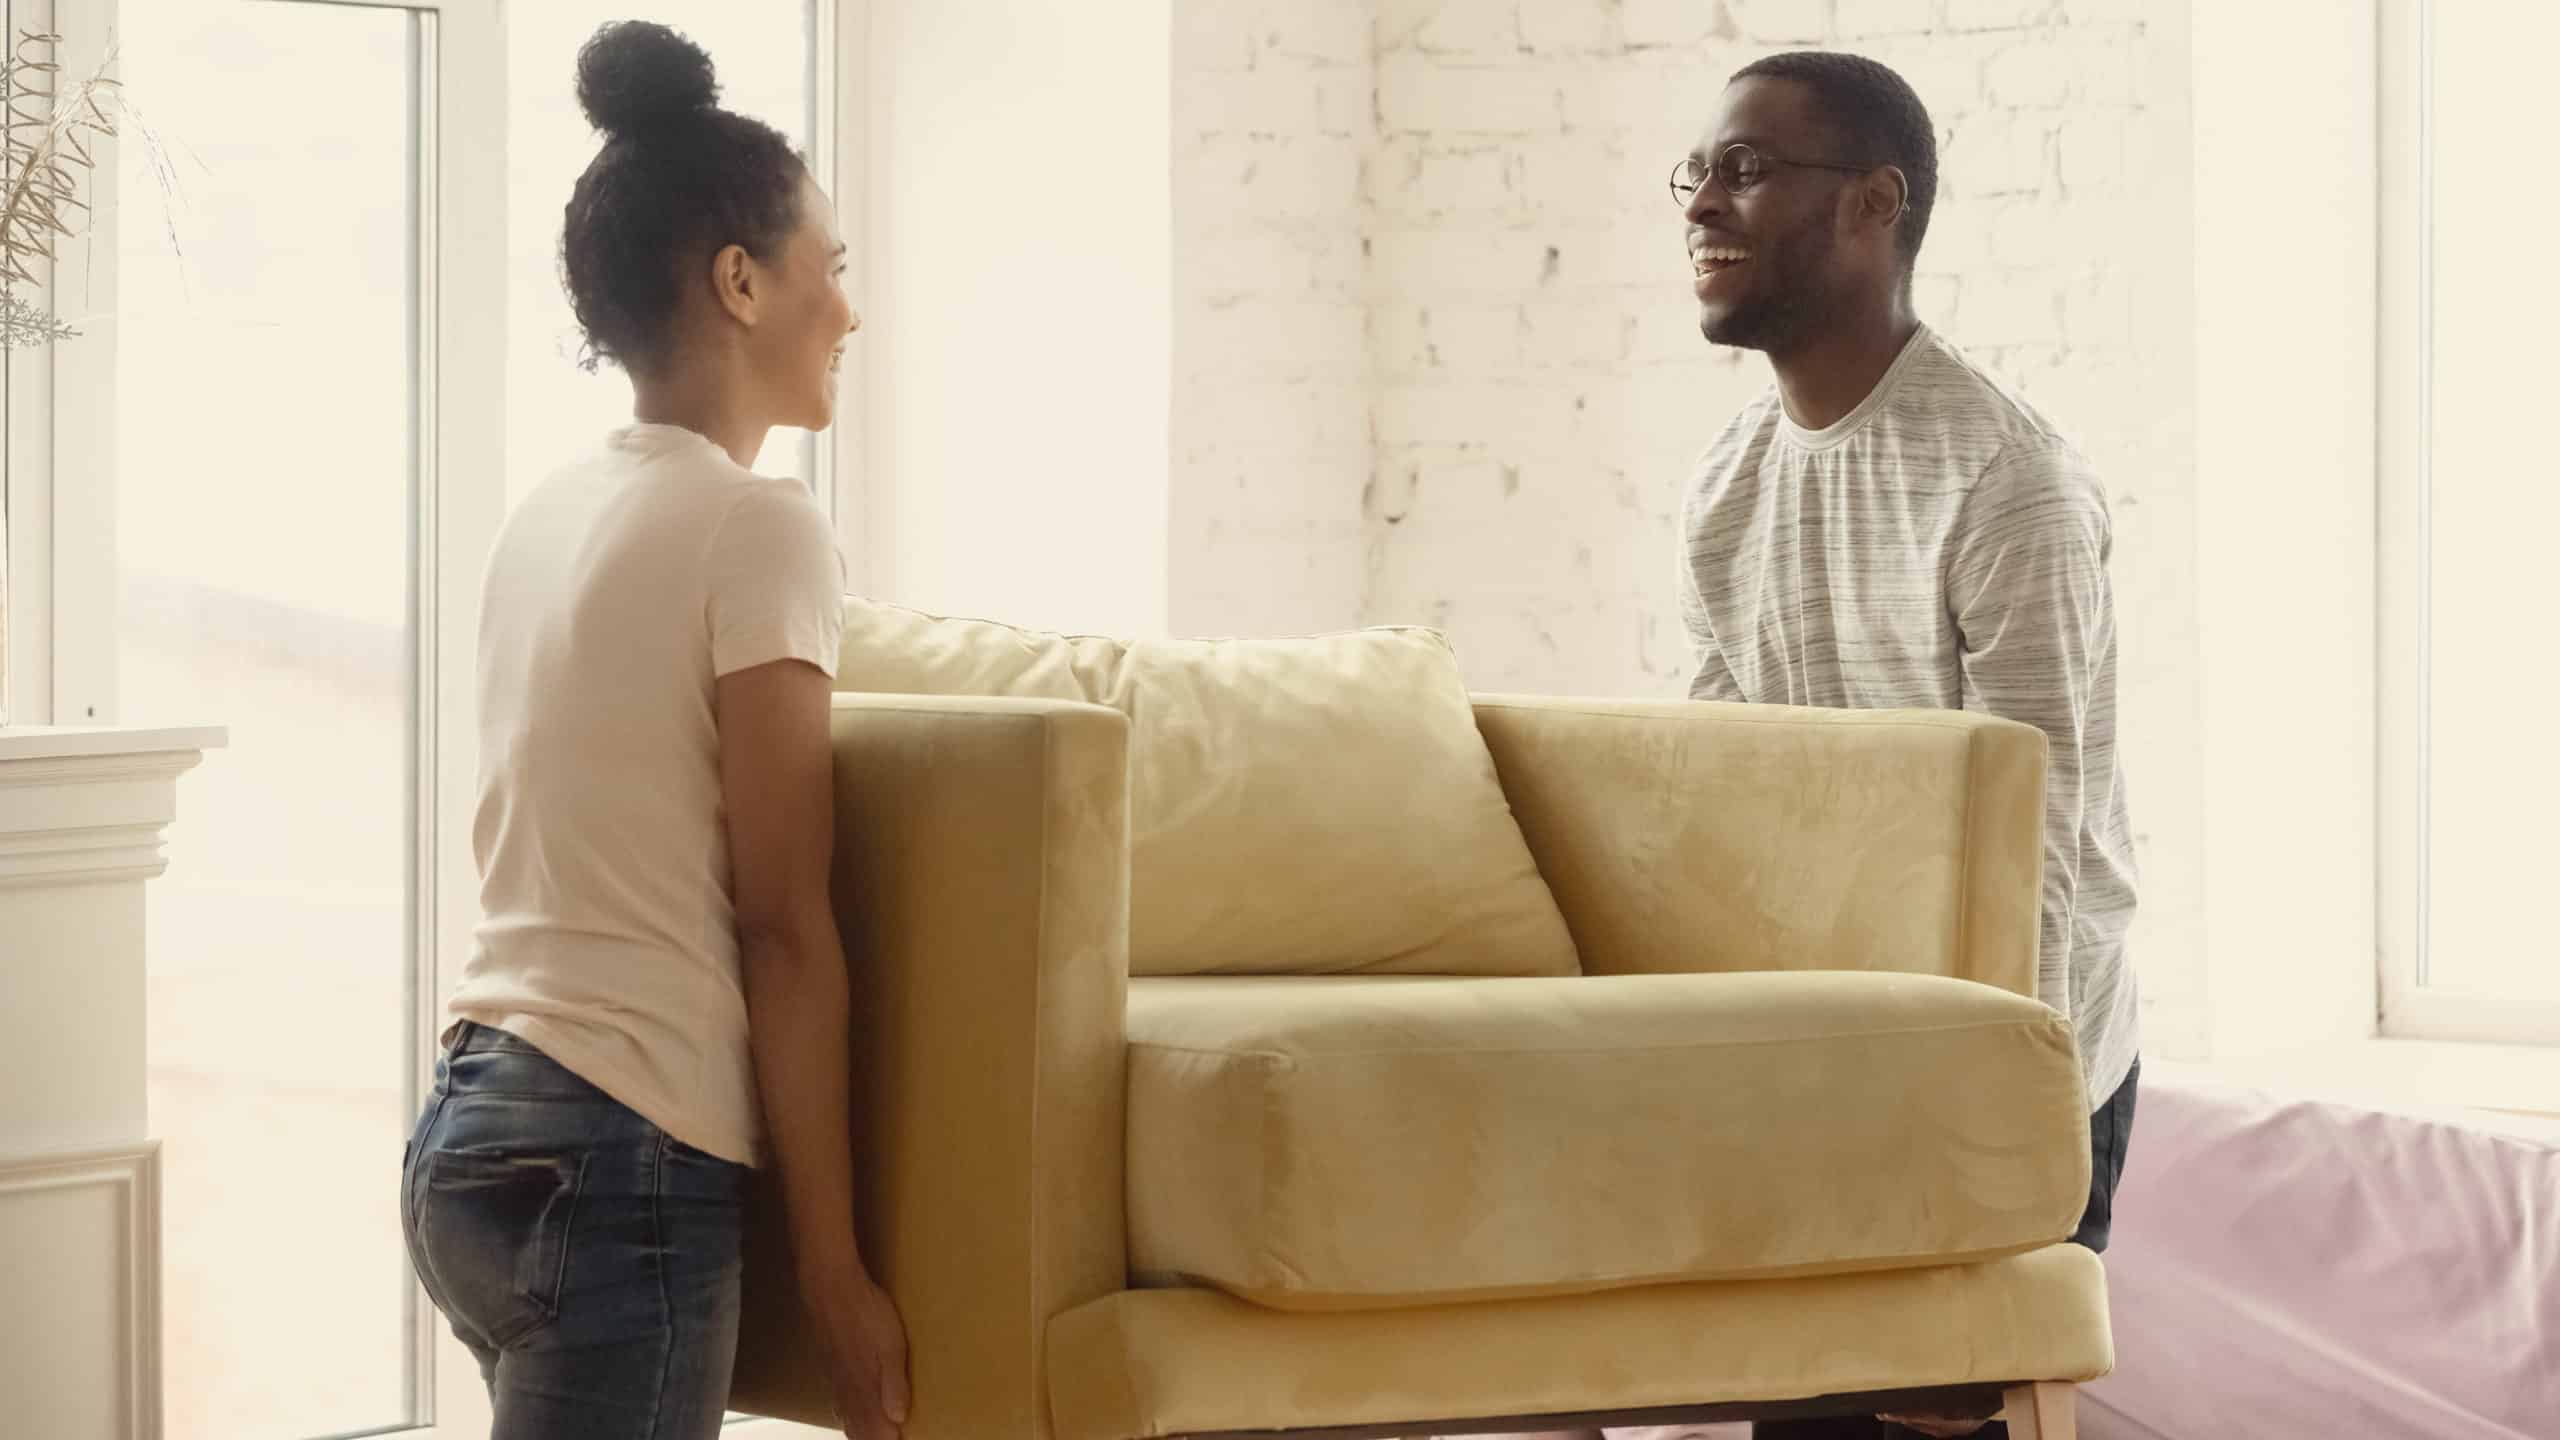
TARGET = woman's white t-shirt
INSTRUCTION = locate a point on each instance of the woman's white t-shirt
(619, 590)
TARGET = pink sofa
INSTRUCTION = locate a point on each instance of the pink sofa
(2286, 1268)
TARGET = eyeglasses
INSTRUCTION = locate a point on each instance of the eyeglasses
(1739, 167)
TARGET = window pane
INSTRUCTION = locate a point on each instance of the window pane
(2493, 510)
(760, 49)
(264, 492)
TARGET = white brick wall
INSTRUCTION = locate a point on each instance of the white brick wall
(1272, 119)
(1432, 293)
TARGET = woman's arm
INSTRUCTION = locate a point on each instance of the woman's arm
(778, 789)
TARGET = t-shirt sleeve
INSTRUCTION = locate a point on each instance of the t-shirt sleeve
(2027, 580)
(775, 583)
(1710, 678)
(1710, 675)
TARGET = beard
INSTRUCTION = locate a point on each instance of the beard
(1788, 300)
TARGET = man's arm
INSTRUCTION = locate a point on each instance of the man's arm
(777, 786)
(2027, 583)
(1710, 678)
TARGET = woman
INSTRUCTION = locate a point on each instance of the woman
(656, 999)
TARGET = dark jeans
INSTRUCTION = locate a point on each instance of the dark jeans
(589, 1261)
(2109, 1129)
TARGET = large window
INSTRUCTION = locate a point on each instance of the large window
(2467, 516)
(319, 370)
(281, 504)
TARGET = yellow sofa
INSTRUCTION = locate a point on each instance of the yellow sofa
(1775, 1132)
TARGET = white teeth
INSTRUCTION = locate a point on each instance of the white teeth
(1722, 252)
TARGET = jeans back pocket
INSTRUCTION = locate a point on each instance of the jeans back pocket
(493, 1235)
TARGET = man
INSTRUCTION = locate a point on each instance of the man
(1888, 527)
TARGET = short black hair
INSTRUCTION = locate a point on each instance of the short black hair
(678, 179)
(1879, 116)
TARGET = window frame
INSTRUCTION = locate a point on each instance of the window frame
(59, 604)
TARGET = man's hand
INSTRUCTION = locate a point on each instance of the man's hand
(1939, 1426)
(866, 1347)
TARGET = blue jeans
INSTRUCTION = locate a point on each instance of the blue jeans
(589, 1261)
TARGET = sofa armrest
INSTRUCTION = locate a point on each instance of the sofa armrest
(981, 883)
(1688, 836)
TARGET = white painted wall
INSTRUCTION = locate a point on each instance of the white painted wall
(1017, 304)
(1272, 124)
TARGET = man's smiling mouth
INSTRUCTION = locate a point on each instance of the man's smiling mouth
(1708, 259)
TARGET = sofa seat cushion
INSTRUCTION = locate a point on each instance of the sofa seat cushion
(1317, 805)
(1375, 1141)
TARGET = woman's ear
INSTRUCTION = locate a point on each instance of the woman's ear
(734, 283)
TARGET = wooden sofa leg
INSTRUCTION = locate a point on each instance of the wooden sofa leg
(2042, 1411)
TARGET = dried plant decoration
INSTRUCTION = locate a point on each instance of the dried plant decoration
(49, 137)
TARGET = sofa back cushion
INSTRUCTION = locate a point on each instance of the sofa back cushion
(1316, 805)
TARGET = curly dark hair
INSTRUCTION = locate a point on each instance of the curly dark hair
(1879, 116)
(678, 179)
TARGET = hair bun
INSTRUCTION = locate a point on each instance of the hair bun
(633, 73)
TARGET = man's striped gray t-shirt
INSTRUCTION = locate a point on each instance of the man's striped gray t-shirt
(1940, 547)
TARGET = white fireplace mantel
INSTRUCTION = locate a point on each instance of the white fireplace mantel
(45, 742)
(87, 805)
(82, 811)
